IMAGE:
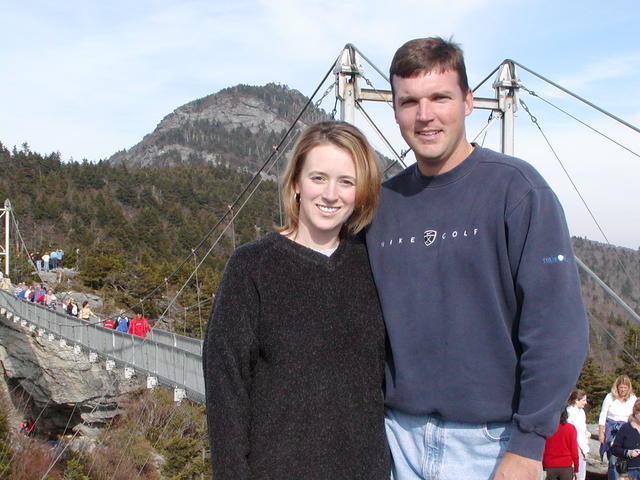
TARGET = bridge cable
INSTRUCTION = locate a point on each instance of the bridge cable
(155, 444)
(349, 45)
(534, 120)
(246, 188)
(234, 215)
(215, 243)
(490, 121)
(399, 158)
(569, 92)
(195, 262)
(145, 405)
(613, 338)
(24, 246)
(275, 153)
(534, 94)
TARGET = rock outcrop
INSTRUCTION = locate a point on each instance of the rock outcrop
(57, 385)
(236, 127)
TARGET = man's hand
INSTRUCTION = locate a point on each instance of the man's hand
(516, 467)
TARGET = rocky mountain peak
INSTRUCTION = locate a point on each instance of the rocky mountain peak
(236, 127)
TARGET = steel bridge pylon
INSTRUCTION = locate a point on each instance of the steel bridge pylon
(5, 214)
(349, 92)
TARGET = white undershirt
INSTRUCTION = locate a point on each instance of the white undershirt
(326, 251)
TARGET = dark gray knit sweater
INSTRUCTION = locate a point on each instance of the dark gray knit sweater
(294, 364)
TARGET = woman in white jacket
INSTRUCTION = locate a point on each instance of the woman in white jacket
(576, 403)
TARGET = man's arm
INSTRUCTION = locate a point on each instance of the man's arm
(516, 467)
(552, 330)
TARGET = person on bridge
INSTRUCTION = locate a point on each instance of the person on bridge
(109, 323)
(139, 326)
(122, 323)
(72, 307)
(479, 288)
(85, 312)
(293, 355)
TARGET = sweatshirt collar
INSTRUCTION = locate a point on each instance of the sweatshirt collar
(452, 175)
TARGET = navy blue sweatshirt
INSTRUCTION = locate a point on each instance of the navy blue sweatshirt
(627, 438)
(480, 295)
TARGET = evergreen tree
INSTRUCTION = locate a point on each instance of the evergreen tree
(596, 384)
(630, 356)
(6, 452)
(74, 470)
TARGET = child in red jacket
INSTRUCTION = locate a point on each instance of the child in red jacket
(560, 457)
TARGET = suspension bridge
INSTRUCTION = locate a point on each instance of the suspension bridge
(174, 361)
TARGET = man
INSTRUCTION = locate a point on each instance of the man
(473, 263)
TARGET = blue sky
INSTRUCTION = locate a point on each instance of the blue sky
(89, 78)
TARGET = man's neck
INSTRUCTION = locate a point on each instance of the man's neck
(431, 169)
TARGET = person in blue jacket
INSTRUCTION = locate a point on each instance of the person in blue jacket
(122, 323)
(480, 293)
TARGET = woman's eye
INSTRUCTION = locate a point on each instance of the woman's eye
(348, 182)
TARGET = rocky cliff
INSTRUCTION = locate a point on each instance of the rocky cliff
(237, 126)
(55, 385)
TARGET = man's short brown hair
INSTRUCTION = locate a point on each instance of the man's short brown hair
(424, 55)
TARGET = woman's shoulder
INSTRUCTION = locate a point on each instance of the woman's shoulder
(250, 253)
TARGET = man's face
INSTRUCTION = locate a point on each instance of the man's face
(430, 110)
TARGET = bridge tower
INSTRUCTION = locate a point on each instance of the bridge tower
(5, 213)
(349, 76)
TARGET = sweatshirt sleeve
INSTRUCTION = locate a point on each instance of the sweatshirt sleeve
(229, 354)
(552, 327)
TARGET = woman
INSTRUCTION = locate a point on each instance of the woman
(294, 352)
(616, 409)
(72, 307)
(85, 312)
(627, 442)
(577, 401)
(560, 457)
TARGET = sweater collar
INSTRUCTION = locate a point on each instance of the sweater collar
(306, 253)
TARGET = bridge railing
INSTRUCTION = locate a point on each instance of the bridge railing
(175, 360)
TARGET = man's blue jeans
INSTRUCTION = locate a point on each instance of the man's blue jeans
(429, 448)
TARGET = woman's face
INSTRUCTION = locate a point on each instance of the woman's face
(623, 390)
(581, 403)
(327, 189)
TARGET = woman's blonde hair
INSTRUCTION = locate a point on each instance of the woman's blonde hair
(348, 138)
(621, 380)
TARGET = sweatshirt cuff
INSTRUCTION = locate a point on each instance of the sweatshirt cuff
(526, 444)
